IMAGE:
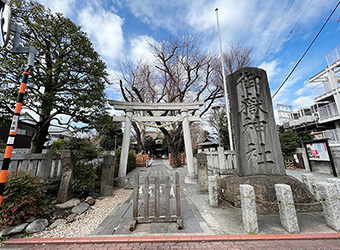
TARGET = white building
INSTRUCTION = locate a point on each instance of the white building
(323, 115)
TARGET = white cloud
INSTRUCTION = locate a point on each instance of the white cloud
(271, 68)
(140, 48)
(256, 22)
(166, 14)
(303, 101)
(105, 30)
(63, 6)
(307, 88)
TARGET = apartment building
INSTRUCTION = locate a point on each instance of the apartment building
(323, 116)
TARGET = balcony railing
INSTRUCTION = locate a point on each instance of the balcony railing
(328, 111)
(333, 56)
(333, 135)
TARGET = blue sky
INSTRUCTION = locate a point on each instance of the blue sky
(121, 28)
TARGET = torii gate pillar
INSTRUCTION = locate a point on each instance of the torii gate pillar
(125, 145)
(191, 176)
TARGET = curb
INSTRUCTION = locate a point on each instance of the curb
(193, 238)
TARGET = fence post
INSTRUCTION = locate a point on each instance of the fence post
(157, 200)
(178, 202)
(167, 197)
(146, 197)
(135, 202)
(65, 190)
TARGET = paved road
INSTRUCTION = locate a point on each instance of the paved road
(235, 245)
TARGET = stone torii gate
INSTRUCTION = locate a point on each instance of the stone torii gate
(130, 107)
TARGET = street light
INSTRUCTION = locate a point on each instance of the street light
(216, 108)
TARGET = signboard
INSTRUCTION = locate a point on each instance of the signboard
(317, 151)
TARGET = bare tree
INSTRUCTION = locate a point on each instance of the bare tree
(178, 72)
(237, 57)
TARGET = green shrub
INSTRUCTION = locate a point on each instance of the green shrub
(84, 180)
(131, 164)
(58, 146)
(24, 197)
(83, 149)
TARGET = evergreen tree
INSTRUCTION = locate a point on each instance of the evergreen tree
(68, 78)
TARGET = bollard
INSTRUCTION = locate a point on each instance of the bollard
(287, 210)
(330, 204)
(248, 205)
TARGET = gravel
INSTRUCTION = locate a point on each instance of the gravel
(85, 223)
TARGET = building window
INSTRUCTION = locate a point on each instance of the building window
(21, 131)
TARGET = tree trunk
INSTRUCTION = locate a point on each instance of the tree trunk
(174, 153)
(39, 138)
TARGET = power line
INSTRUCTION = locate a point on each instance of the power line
(303, 13)
(310, 45)
(290, 3)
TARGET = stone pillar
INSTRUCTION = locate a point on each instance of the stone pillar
(213, 193)
(202, 169)
(336, 182)
(249, 216)
(221, 159)
(330, 204)
(287, 210)
(256, 139)
(308, 179)
(191, 176)
(125, 145)
(65, 190)
(108, 171)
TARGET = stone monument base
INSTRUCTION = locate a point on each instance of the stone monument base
(229, 188)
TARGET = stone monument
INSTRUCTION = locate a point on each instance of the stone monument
(65, 190)
(256, 139)
(257, 145)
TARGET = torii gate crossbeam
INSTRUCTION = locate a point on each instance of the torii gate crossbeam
(128, 108)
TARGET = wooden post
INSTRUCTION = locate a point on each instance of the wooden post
(157, 200)
(146, 198)
(167, 197)
(135, 202)
(178, 202)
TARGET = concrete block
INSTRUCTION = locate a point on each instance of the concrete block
(287, 208)
(249, 216)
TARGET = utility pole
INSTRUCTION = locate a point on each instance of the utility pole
(5, 14)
